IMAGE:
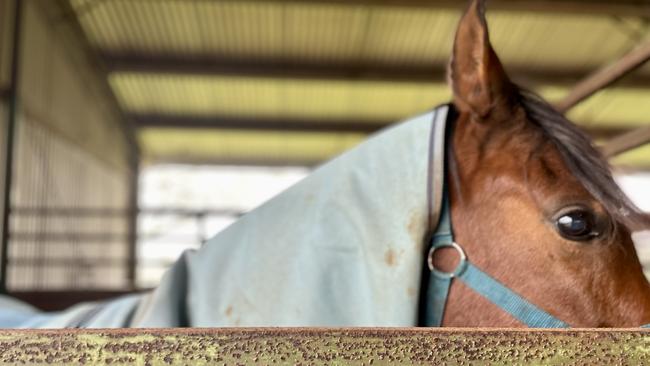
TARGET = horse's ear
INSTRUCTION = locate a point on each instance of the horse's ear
(476, 75)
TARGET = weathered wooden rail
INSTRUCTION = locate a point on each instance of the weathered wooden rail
(322, 346)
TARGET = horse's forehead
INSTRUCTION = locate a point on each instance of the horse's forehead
(551, 182)
(525, 160)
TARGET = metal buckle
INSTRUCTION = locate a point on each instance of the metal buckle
(462, 263)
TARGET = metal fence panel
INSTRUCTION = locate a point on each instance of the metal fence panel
(314, 346)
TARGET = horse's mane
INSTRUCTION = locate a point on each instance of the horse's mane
(583, 160)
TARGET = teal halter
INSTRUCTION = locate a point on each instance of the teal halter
(477, 280)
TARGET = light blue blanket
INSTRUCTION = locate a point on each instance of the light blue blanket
(343, 247)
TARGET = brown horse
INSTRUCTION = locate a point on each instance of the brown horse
(534, 202)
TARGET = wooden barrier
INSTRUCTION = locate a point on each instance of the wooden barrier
(323, 346)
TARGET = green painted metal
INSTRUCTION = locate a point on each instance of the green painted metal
(318, 346)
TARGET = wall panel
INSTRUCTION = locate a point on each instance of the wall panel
(72, 166)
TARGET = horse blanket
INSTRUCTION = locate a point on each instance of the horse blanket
(343, 247)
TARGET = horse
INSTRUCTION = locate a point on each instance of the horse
(528, 203)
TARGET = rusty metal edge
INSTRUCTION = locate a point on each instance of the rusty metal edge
(319, 346)
(324, 330)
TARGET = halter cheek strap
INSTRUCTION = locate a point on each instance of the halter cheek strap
(437, 289)
(477, 280)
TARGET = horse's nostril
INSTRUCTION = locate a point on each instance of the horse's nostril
(613, 324)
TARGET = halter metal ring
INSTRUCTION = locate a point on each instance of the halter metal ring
(459, 268)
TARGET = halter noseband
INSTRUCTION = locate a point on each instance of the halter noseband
(477, 280)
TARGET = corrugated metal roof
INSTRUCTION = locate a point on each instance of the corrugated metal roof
(339, 33)
(350, 32)
(224, 146)
(362, 100)
(635, 159)
(619, 107)
(275, 97)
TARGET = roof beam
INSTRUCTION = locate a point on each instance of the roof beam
(635, 8)
(604, 133)
(632, 8)
(627, 141)
(251, 67)
(275, 125)
(253, 123)
(234, 161)
(606, 76)
(214, 65)
(152, 120)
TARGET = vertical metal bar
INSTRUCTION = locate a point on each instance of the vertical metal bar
(76, 278)
(11, 127)
(132, 225)
(200, 227)
(42, 153)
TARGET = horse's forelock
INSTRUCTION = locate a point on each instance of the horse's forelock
(584, 160)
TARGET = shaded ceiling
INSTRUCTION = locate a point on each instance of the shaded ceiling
(295, 82)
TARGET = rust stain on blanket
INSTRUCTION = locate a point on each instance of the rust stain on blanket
(411, 292)
(415, 228)
(390, 257)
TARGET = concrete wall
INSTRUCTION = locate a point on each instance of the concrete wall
(71, 155)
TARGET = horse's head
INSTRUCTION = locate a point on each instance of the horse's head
(533, 202)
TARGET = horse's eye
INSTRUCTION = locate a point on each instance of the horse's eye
(576, 225)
